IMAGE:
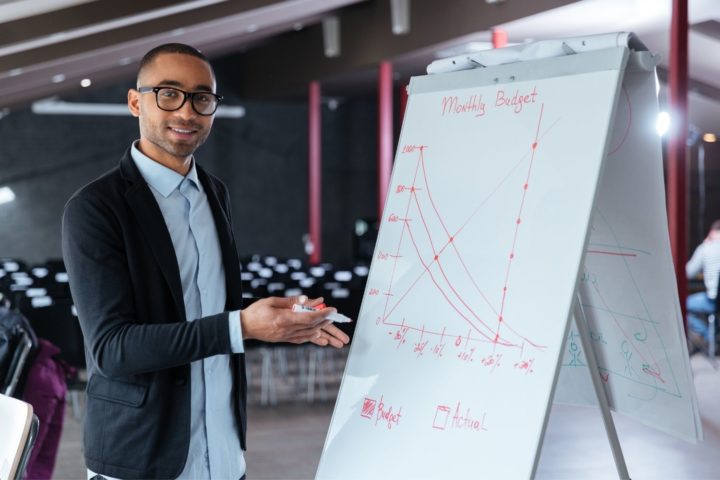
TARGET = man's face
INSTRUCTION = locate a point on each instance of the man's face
(171, 137)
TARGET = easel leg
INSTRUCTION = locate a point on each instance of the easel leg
(582, 326)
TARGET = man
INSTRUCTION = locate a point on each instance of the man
(705, 259)
(155, 278)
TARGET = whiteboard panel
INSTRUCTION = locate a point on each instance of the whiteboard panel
(460, 333)
(628, 284)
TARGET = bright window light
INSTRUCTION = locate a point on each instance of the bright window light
(663, 123)
(6, 195)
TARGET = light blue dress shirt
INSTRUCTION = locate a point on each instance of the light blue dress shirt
(214, 450)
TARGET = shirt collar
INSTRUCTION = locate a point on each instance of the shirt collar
(163, 179)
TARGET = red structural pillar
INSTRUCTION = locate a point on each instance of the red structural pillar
(314, 171)
(677, 144)
(499, 38)
(385, 132)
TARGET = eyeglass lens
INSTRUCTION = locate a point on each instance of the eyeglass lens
(172, 99)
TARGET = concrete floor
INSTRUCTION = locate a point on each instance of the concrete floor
(286, 441)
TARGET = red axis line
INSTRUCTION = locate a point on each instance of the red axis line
(442, 334)
(518, 220)
(402, 233)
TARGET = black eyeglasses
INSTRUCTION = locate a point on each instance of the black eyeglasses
(171, 99)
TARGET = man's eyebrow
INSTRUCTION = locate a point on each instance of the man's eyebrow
(175, 83)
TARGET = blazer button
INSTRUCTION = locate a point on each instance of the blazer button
(180, 381)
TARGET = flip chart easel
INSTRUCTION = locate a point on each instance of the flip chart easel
(491, 226)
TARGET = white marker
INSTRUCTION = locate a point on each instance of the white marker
(335, 317)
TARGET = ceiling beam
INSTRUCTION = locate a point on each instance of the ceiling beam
(286, 63)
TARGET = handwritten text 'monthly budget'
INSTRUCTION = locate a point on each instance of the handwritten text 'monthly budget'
(474, 104)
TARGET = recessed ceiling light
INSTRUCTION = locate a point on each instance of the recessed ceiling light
(15, 72)
(252, 28)
(85, 82)
(710, 137)
(60, 77)
(298, 26)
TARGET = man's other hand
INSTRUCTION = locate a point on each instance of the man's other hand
(272, 320)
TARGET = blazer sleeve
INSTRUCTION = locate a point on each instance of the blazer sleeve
(117, 340)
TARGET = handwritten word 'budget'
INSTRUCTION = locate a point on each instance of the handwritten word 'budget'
(378, 410)
(516, 101)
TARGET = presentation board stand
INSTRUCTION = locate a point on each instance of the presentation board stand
(602, 399)
(518, 186)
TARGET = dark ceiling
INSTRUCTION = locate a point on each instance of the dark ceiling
(48, 46)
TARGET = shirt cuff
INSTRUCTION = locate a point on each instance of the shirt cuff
(236, 339)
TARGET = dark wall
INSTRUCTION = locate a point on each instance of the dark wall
(261, 157)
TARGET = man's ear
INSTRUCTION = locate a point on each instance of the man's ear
(133, 99)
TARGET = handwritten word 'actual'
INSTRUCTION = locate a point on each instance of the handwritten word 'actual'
(458, 421)
(472, 104)
(516, 101)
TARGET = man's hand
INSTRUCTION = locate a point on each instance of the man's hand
(272, 320)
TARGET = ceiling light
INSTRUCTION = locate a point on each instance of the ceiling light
(15, 72)
(331, 36)
(252, 28)
(400, 15)
(6, 195)
(85, 82)
(710, 137)
(58, 78)
(298, 26)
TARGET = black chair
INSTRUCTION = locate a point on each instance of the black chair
(58, 324)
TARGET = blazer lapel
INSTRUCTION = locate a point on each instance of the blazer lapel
(145, 207)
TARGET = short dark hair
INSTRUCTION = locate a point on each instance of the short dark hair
(171, 48)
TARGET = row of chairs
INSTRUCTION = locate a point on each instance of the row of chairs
(42, 294)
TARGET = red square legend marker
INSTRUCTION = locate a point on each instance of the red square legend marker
(368, 409)
(441, 417)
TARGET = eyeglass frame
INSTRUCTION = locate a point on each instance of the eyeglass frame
(186, 95)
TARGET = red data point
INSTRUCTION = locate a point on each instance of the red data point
(436, 257)
(534, 145)
(512, 255)
(525, 186)
(518, 221)
(451, 239)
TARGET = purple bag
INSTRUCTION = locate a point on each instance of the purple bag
(45, 390)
